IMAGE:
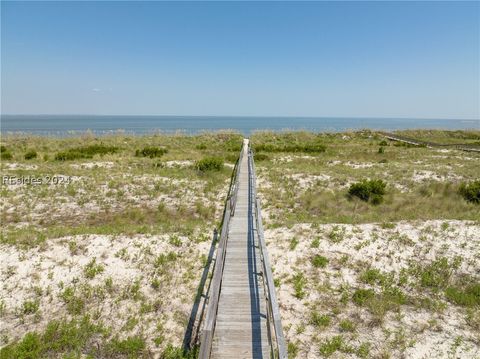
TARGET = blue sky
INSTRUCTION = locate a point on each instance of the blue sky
(352, 59)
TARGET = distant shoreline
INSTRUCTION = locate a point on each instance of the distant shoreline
(74, 125)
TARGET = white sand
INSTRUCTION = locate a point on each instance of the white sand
(389, 250)
(125, 260)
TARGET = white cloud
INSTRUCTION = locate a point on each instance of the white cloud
(96, 90)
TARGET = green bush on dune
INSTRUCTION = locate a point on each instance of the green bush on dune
(260, 157)
(30, 155)
(151, 152)
(470, 191)
(85, 152)
(209, 164)
(368, 191)
(291, 147)
(5, 154)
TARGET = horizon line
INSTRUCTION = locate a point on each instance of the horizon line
(244, 116)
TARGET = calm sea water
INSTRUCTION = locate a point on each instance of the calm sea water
(62, 125)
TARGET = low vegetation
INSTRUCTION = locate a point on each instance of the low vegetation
(85, 152)
(289, 142)
(151, 152)
(382, 281)
(368, 190)
(100, 274)
(5, 154)
(352, 278)
(471, 191)
(30, 155)
(209, 164)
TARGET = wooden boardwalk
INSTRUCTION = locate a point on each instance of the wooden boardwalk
(243, 318)
(241, 325)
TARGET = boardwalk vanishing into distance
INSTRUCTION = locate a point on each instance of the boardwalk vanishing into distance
(242, 319)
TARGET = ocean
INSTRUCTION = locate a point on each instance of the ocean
(69, 125)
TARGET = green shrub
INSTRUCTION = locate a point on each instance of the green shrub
(470, 191)
(291, 147)
(92, 269)
(330, 346)
(436, 274)
(363, 350)
(233, 144)
(468, 297)
(361, 296)
(231, 157)
(381, 150)
(30, 155)
(319, 261)
(383, 143)
(299, 282)
(30, 307)
(372, 276)
(368, 190)
(260, 157)
(29, 347)
(133, 347)
(85, 152)
(201, 146)
(74, 304)
(172, 352)
(209, 164)
(320, 320)
(59, 337)
(5, 154)
(292, 350)
(347, 326)
(164, 259)
(3, 149)
(293, 243)
(151, 152)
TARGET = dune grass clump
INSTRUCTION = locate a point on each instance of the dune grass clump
(92, 269)
(5, 154)
(470, 191)
(332, 345)
(30, 307)
(30, 155)
(260, 157)
(320, 320)
(59, 337)
(288, 142)
(467, 297)
(361, 296)
(209, 164)
(291, 147)
(299, 283)
(132, 347)
(319, 261)
(151, 152)
(368, 191)
(85, 152)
